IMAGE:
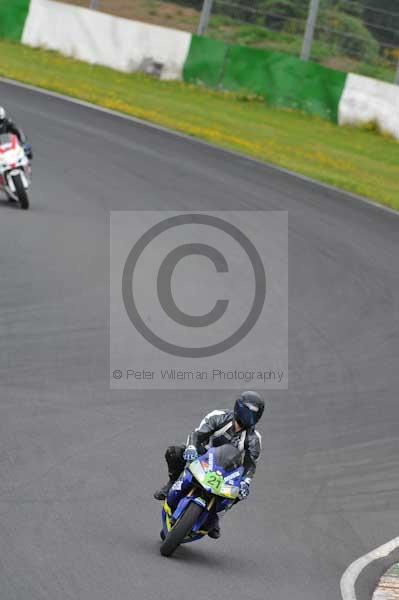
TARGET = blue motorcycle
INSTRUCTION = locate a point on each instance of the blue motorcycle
(207, 486)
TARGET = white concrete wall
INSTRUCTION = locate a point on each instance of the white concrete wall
(95, 37)
(365, 100)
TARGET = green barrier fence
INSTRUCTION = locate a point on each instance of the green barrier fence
(13, 15)
(281, 79)
(205, 61)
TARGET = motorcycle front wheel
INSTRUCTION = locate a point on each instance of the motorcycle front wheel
(21, 193)
(180, 529)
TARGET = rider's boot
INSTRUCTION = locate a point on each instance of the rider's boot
(214, 532)
(163, 492)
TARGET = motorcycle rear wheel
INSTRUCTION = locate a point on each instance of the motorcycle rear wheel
(181, 528)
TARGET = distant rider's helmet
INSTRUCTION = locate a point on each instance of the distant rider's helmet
(248, 409)
(2, 115)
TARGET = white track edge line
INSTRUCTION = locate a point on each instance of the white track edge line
(185, 136)
(351, 575)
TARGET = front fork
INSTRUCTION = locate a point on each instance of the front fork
(170, 521)
(9, 178)
(211, 501)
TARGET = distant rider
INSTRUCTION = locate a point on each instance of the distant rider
(8, 126)
(236, 427)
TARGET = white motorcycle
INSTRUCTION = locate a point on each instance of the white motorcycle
(15, 170)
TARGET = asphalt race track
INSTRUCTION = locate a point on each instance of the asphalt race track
(79, 463)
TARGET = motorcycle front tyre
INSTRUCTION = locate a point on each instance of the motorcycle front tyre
(21, 193)
(181, 528)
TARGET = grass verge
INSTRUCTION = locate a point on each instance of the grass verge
(355, 160)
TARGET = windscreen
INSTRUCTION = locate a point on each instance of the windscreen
(228, 457)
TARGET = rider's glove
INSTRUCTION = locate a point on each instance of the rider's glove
(28, 150)
(190, 453)
(244, 490)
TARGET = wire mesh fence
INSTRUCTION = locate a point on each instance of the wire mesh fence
(351, 35)
(181, 16)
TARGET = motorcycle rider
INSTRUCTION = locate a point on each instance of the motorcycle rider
(8, 126)
(236, 427)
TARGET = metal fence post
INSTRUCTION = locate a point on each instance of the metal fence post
(397, 74)
(310, 27)
(205, 16)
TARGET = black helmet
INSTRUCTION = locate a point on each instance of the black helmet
(248, 409)
(2, 115)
